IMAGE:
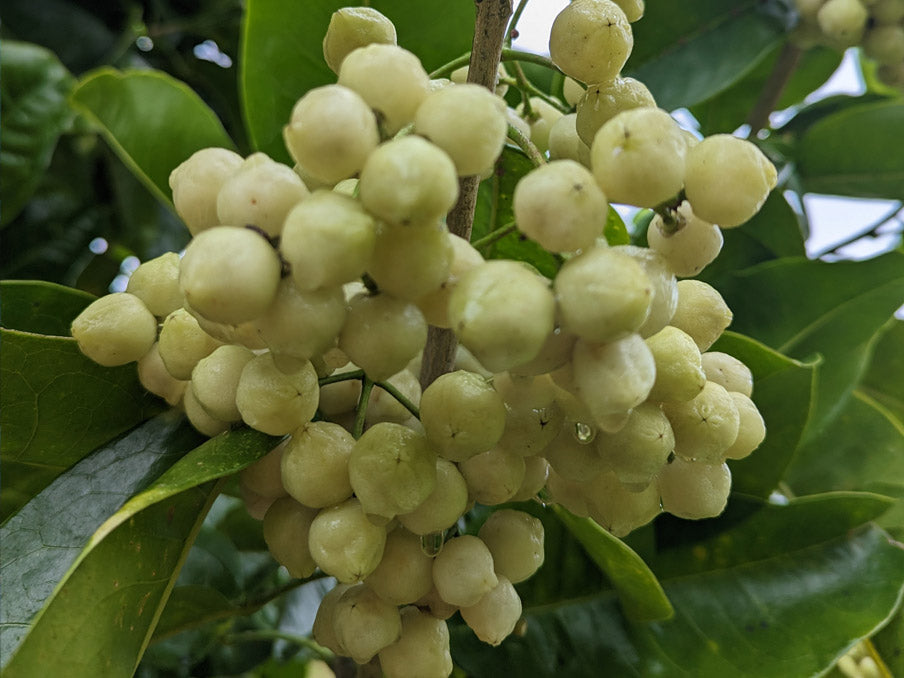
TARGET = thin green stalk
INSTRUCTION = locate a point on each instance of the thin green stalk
(344, 376)
(494, 236)
(361, 412)
(273, 634)
(517, 136)
(513, 24)
(508, 54)
(398, 395)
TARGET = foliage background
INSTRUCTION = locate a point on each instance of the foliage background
(124, 546)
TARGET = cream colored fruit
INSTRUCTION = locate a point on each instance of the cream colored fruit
(602, 102)
(701, 312)
(286, 527)
(493, 617)
(156, 283)
(516, 542)
(275, 401)
(344, 543)
(728, 371)
(443, 506)
(706, 426)
(463, 571)
(215, 380)
(365, 623)
(689, 249)
(694, 490)
(411, 262)
(591, 40)
(422, 651)
(196, 182)
(405, 574)
(115, 329)
(314, 466)
(354, 27)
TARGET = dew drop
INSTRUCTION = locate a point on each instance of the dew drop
(432, 544)
(584, 433)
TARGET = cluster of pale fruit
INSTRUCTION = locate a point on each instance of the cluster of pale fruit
(875, 25)
(596, 389)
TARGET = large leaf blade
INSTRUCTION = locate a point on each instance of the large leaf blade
(150, 119)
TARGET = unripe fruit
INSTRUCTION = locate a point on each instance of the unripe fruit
(751, 428)
(390, 79)
(324, 632)
(641, 448)
(260, 193)
(115, 329)
(198, 417)
(602, 294)
(409, 263)
(276, 401)
(182, 343)
(422, 651)
(572, 457)
(463, 571)
(331, 132)
(408, 181)
(679, 367)
(615, 377)
(392, 469)
(154, 377)
(435, 305)
(701, 312)
(229, 274)
(663, 283)
(543, 116)
(591, 40)
(364, 623)
(344, 543)
(536, 471)
(560, 206)
(728, 371)
(567, 493)
(156, 283)
(633, 9)
(382, 334)
(502, 312)
(494, 476)
(843, 21)
(638, 157)
(885, 44)
(314, 466)
(215, 380)
(264, 477)
(564, 143)
(196, 182)
(354, 27)
(515, 540)
(600, 103)
(286, 527)
(443, 506)
(328, 239)
(462, 415)
(405, 574)
(615, 507)
(466, 121)
(494, 616)
(689, 249)
(706, 426)
(727, 179)
(693, 489)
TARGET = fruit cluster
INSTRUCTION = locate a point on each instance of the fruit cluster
(875, 25)
(301, 308)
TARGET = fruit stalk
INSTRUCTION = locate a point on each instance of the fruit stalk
(491, 22)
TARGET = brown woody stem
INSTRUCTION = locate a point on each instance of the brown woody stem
(489, 34)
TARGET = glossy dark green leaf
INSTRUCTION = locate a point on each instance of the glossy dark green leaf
(788, 616)
(639, 592)
(615, 231)
(774, 232)
(847, 153)
(783, 391)
(711, 43)
(889, 643)
(40, 307)
(33, 89)
(131, 562)
(803, 308)
(189, 605)
(753, 530)
(44, 539)
(57, 407)
(282, 54)
(150, 119)
(884, 380)
(729, 110)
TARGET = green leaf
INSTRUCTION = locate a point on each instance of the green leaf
(782, 392)
(278, 33)
(40, 307)
(130, 564)
(728, 110)
(803, 308)
(889, 643)
(44, 539)
(190, 604)
(494, 209)
(752, 530)
(615, 231)
(789, 616)
(639, 592)
(847, 153)
(687, 52)
(884, 380)
(57, 407)
(33, 89)
(150, 119)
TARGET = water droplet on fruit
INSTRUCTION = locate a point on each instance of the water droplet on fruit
(585, 433)
(432, 544)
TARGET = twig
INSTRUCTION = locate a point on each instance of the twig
(489, 33)
(871, 230)
(399, 396)
(273, 634)
(361, 411)
(781, 73)
(526, 145)
(342, 376)
(513, 24)
(493, 236)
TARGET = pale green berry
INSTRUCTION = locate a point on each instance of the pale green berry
(560, 206)
(460, 76)
(314, 467)
(383, 406)
(410, 263)
(618, 509)
(571, 457)
(276, 401)
(694, 489)
(564, 142)
(468, 122)
(156, 283)
(843, 21)
(229, 274)
(435, 305)
(215, 380)
(663, 283)
(572, 90)
(885, 44)
(602, 102)
(701, 312)
(182, 343)
(493, 617)
(422, 651)
(286, 527)
(679, 367)
(706, 426)
(691, 248)
(443, 506)
(728, 371)
(633, 9)
(199, 418)
(536, 472)
(196, 183)
(353, 27)
(405, 574)
(154, 377)
(543, 116)
(494, 476)
(115, 329)
(264, 476)
(727, 179)
(463, 571)
(751, 428)
(556, 351)
(328, 239)
(640, 448)
(365, 623)
(260, 193)
(324, 632)
(615, 377)
(408, 181)
(330, 133)
(515, 540)
(888, 12)
(591, 40)
(567, 493)
(344, 543)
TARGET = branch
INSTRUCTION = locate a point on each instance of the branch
(869, 231)
(489, 34)
(781, 73)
